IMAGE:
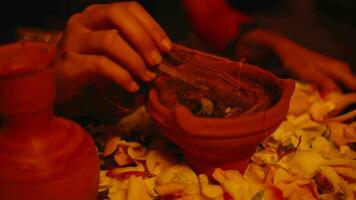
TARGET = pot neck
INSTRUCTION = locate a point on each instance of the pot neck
(26, 102)
(27, 87)
(28, 122)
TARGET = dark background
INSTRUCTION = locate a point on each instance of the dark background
(327, 26)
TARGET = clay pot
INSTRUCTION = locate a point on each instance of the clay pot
(42, 156)
(228, 143)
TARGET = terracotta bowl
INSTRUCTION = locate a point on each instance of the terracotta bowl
(227, 143)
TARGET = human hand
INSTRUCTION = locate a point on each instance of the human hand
(323, 71)
(119, 41)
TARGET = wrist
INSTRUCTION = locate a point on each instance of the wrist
(267, 39)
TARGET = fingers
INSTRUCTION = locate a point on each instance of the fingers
(323, 71)
(341, 72)
(324, 83)
(118, 41)
(150, 25)
(93, 7)
(158, 35)
(115, 47)
(75, 24)
(96, 64)
(127, 25)
(347, 79)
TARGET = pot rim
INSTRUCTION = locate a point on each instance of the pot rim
(25, 57)
(200, 127)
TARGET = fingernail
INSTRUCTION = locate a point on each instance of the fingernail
(167, 44)
(133, 87)
(155, 58)
(114, 31)
(150, 75)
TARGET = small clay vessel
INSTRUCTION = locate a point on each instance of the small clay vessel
(41, 156)
(224, 142)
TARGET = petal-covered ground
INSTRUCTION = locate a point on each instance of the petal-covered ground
(310, 156)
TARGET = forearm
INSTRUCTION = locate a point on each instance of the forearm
(267, 39)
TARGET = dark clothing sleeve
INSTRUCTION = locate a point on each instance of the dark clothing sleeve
(215, 21)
